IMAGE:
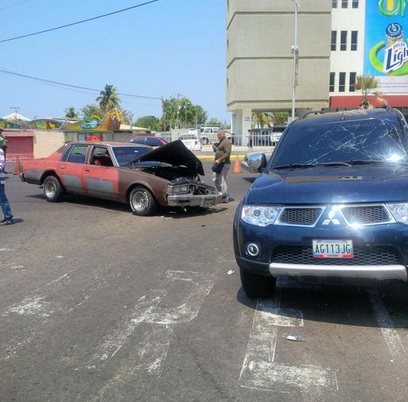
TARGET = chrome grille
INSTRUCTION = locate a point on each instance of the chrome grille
(362, 256)
(300, 216)
(353, 214)
(366, 214)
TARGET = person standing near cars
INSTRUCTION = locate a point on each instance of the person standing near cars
(250, 139)
(222, 155)
(5, 206)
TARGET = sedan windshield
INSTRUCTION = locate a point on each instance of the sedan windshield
(126, 155)
(341, 142)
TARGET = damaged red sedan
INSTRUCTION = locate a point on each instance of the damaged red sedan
(133, 174)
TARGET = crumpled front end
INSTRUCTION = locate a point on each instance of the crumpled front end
(184, 192)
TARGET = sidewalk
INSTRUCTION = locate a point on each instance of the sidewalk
(207, 154)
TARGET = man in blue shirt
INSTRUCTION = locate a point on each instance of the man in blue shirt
(5, 206)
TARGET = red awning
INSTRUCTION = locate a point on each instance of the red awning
(353, 101)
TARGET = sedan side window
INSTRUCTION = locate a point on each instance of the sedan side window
(100, 157)
(75, 154)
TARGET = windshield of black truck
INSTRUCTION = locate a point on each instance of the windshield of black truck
(342, 141)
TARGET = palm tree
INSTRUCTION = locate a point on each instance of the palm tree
(366, 84)
(108, 99)
(262, 119)
(70, 113)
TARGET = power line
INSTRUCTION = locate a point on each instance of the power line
(73, 86)
(79, 22)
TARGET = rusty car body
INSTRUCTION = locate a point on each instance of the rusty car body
(128, 173)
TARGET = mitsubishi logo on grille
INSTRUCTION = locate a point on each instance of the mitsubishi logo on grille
(332, 218)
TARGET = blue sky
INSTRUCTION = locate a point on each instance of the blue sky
(161, 49)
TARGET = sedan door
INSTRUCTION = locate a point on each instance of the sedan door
(100, 176)
(71, 166)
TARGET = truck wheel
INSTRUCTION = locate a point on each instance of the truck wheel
(142, 202)
(53, 190)
(257, 286)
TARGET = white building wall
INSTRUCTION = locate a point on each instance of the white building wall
(260, 36)
(348, 19)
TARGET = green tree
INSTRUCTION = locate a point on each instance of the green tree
(366, 84)
(70, 113)
(213, 122)
(127, 117)
(150, 122)
(280, 119)
(180, 112)
(108, 99)
(262, 119)
(268, 120)
(91, 111)
(199, 116)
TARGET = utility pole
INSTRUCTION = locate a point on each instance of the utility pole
(295, 51)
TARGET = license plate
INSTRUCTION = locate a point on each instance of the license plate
(333, 249)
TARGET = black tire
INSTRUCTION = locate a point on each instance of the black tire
(142, 202)
(204, 141)
(53, 190)
(257, 286)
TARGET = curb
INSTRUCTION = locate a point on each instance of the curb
(211, 157)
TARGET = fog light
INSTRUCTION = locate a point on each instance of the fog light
(253, 249)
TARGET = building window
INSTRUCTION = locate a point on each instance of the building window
(331, 84)
(342, 82)
(352, 82)
(333, 40)
(354, 3)
(344, 3)
(343, 40)
(354, 35)
(334, 3)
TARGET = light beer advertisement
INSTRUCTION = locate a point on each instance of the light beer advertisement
(386, 49)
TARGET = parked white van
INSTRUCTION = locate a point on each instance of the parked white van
(208, 135)
(191, 141)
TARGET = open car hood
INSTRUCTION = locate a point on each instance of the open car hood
(175, 153)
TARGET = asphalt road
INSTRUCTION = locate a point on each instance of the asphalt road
(99, 305)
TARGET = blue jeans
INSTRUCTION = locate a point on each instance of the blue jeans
(5, 206)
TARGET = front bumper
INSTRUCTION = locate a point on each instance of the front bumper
(379, 272)
(191, 200)
(381, 252)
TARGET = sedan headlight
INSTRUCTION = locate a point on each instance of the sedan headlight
(399, 212)
(178, 189)
(259, 215)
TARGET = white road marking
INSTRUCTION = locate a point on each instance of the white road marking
(148, 358)
(37, 305)
(260, 371)
(147, 311)
(117, 338)
(390, 334)
(202, 285)
(31, 306)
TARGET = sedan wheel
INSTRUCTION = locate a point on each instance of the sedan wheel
(142, 202)
(53, 190)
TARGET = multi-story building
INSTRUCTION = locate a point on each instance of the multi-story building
(305, 55)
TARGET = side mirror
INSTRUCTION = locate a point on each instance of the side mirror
(263, 163)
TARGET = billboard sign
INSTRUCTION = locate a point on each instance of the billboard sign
(386, 48)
